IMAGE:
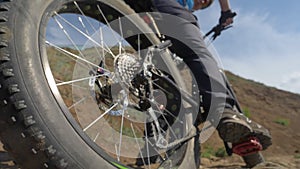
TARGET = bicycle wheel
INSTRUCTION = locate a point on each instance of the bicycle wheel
(77, 89)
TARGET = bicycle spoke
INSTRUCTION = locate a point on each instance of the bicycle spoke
(139, 45)
(75, 56)
(121, 40)
(147, 146)
(73, 85)
(166, 110)
(70, 39)
(68, 36)
(94, 29)
(72, 58)
(100, 117)
(97, 135)
(164, 90)
(102, 42)
(117, 152)
(152, 145)
(87, 81)
(83, 26)
(169, 126)
(121, 133)
(108, 24)
(136, 140)
(87, 32)
(84, 34)
(78, 102)
(77, 80)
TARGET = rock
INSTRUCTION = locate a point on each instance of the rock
(270, 165)
(205, 162)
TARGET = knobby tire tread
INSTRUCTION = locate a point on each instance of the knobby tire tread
(22, 134)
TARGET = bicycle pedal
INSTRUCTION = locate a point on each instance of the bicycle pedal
(246, 148)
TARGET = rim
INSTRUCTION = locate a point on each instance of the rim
(92, 58)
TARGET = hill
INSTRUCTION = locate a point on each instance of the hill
(277, 110)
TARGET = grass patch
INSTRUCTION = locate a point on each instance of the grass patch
(247, 112)
(209, 151)
(282, 121)
(297, 156)
(221, 152)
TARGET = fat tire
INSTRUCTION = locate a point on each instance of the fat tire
(33, 128)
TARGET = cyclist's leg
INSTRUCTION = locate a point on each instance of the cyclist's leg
(188, 43)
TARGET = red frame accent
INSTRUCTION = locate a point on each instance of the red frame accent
(147, 19)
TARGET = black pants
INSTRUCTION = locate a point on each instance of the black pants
(188, 43)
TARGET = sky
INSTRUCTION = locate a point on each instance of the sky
(264, 43)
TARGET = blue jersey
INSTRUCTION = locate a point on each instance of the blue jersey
(187, 3)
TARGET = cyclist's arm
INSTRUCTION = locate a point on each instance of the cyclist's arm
(224, 4)
(225, 8)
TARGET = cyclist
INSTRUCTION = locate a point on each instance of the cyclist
(233, 126)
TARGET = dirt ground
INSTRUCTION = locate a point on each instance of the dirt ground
(279, 162)
(234, 162)
(273, 160)
(277, 110)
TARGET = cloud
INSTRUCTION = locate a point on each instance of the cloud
(56, 36)
(257, 49)
(292, 82)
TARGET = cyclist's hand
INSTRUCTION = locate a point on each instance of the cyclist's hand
(226, 18)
